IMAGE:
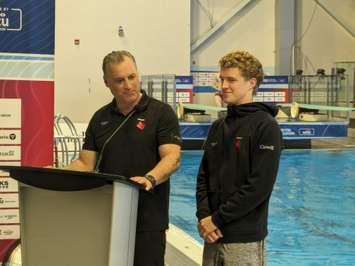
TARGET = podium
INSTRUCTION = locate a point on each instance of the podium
(75, 218)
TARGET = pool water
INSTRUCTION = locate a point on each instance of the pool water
(312, 208)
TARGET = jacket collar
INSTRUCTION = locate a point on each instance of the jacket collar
(140, 106)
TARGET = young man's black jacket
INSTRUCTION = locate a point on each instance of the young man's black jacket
(238, 171)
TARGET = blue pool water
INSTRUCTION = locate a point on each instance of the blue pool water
(312, 209)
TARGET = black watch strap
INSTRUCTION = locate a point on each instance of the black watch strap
(152, 180)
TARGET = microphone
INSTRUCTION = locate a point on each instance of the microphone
(98, 162)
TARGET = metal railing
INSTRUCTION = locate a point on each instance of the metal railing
(161, 87)
(320, 90)
(67, 141)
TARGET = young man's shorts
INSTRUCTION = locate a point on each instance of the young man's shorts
(234, 254)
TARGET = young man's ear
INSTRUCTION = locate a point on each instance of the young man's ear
(253, 83)
(105, 80)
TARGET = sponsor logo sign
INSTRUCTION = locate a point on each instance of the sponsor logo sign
(10, 113)
(10, 136)
(9, 200)
(306, 131)
(8, 184)
(10, 231)
(10, 216)
(10, 19)
(10, 153)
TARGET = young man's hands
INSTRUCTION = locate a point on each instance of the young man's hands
(208, 230)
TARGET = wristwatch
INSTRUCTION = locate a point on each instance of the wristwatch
(152, 180)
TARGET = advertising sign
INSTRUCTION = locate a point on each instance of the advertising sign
(26, 101)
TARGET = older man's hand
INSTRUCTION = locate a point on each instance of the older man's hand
(143, 181)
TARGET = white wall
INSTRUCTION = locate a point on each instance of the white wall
(325, 41)
(253, 30)
(156, 32)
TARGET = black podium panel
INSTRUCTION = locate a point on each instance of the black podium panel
(62, 180)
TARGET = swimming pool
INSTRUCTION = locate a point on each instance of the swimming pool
(312, 209)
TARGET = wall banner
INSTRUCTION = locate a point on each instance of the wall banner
(26, 101)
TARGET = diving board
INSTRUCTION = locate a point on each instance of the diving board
(202, 107)
(320, 107)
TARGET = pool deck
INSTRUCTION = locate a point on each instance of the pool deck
(342, 143)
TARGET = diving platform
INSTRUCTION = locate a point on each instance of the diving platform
(290, 130)
(295, 134)
(295, 126)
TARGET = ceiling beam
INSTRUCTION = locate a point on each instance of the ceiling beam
(335, 18)
(220, 24)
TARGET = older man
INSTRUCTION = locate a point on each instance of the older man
(136, 136)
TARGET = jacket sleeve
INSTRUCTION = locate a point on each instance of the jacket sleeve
(258, 186)
(202, 185)
(202, 204)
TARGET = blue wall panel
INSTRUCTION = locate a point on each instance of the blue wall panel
(27, 26)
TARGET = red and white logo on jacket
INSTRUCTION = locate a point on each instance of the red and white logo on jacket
(140, 123)
(237, 142)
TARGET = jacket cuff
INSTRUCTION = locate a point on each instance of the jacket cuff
(202, 216)
(218, 220)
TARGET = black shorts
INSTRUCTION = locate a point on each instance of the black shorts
(150, 248)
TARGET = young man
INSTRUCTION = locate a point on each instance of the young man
(138, 137)
(238, 169)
